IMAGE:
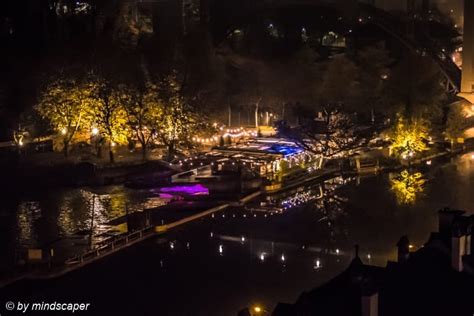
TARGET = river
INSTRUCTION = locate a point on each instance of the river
(240, 257)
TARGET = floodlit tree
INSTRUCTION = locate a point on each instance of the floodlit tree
(107, 114)
(178, 122)
(65, 103)
(144, 111)
(332, 138)
(409, 137)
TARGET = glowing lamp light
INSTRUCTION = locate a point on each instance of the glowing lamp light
(64, 131)
(221, 249)
(472, 156)
(283, 258)
(257, 309)
(428, 163)
(95, 131)
(317, 264)
(337, 251)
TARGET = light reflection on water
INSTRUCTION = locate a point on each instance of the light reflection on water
(407, 186)
(28, 213)
(44, 217)
(315, 239)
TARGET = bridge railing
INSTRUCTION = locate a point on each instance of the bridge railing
(394, 26)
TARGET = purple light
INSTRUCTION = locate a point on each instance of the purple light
(166, 196)
(197, 189)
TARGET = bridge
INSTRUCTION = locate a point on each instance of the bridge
(394, 26)
(467, 83)
(420, 44)
(457, 81)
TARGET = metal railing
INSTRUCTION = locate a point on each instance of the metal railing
(111, 246)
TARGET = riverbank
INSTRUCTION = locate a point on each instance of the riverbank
(225, 252)
(310, 178)
(46, 270)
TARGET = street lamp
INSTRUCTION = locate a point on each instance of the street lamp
(95, 131)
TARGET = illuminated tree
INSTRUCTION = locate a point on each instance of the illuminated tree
(407, 186)
(144, 111)
(334, 136)
(409, 137)
(64, 103)
(107, 114)
(179, 121)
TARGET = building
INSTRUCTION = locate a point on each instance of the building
(437, 279)
(272, 158)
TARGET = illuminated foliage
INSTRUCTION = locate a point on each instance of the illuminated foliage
(144, 112)
(64, 103)
(407, 186)
(107, 114)
(409, 137)
(178, 122)
(336, 136)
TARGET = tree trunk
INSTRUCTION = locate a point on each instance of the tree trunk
(144, 151)
(170, 151)
(66, 149)
(99, 151)
(111, 153)
(256, 115)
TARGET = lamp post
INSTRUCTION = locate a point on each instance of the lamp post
(96, 140)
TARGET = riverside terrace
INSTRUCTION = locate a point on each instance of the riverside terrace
(273, 159)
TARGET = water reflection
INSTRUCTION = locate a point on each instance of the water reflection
(407, 186)
(42, 218)
(28, 213)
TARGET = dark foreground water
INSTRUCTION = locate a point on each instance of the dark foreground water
(239, 258)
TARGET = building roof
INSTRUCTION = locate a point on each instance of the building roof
(425, 284)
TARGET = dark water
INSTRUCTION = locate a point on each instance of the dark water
(41, 218)
(239, 258)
